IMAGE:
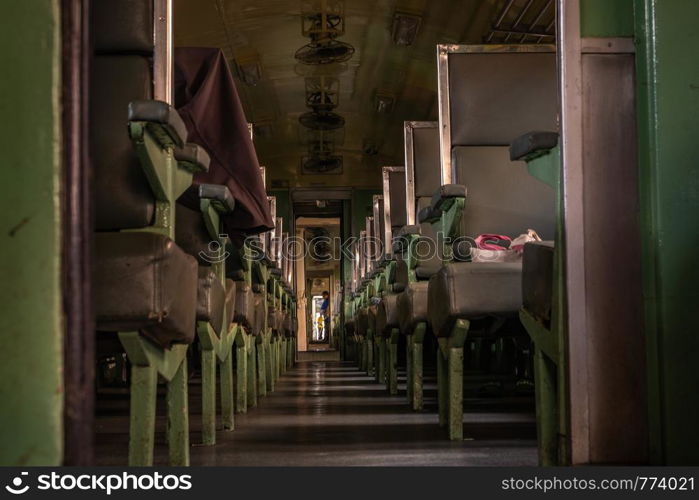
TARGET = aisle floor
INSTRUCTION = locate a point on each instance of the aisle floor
(329, 414)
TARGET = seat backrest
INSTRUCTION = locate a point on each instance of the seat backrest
(121, 72)
(503, 198)
(394, 203)
(421, 163)
(493, 97)
(379, 227)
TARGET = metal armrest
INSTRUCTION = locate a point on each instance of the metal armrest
(444, 198)
(532, 144)
(192, 158)
(162, 120)
(219, 195)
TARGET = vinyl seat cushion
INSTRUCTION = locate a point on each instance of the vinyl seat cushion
(537, 279)
(211, 298)
(473, 290)
(244, 305)
(412, 306)
(143, 281)
(387, 315)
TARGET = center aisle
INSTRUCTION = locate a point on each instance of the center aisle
(329, 413)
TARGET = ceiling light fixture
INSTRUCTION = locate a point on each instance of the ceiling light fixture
(405, 28)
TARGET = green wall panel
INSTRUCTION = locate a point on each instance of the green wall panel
(668, 117)
(31, 388)
(361, 207)
(606, 18)
(283, 206)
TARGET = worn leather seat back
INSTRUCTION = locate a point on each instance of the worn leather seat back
(503, 198)
(191, 234)
(396, 190)
(211, 298)
(145, 282)
(493, 99)
(120, 73)
(244, 305)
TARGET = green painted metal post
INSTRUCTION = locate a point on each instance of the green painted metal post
(31, 323)
(380, 372)
(208, 397)
(369, 355)
(418, 339)
(362, 355)
(227, 407)
(241, 357)
(442, 385)
(545, 374)
(269, 365)
(667, 78)
(409, 369)
(456, 393)
(261, 368)
(252, 373)
(144, 384)
(178, 417)
(393, 362)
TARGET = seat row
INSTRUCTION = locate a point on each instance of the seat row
(489, 166)
(171, 283)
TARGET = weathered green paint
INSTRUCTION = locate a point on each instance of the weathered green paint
(456, 393)
(668, 127)
(261, 366)
(208, 397)
(393, 362)
(409, 368)
(380, 373)
(31, 323)
(442, 385)
(227, 396)
(418, 339)
(241, 377)
(252, 372)
(144, 383)
(606, 18)
(178, 417)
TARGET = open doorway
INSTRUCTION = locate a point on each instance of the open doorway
(318, 277)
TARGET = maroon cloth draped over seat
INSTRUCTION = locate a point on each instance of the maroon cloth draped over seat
(208, 102)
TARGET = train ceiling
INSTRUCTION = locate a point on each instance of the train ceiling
(379, 69)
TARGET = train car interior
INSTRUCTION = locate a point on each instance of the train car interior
(349, 232)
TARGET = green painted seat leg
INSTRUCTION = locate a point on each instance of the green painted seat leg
(208, 397)
(241, 357)
(369, 356)
(380, 373)
(545, 375)
(393, 362)
(456, 393)
(455, 371)
(252, 373)
(147, 361)
(144, 384)
(261, 370)
(418, 339)
(227, 409)
(360, 356)
(409, 368)
(442, 384)
(269, 366)
(178, 417)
